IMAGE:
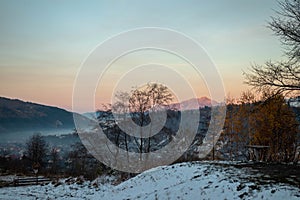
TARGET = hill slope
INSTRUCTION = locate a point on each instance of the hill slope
(198, 180)
(16, 115)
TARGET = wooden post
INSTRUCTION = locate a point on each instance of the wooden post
(36, 167)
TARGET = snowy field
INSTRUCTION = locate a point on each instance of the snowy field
(200, 180)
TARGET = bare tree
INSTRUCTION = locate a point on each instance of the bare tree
(36, 150)
(78, 159)
(280, 76)
(54, 156)
(81, 162)
(144, 99)
(121, 107)
(283, 76)
(287, 26)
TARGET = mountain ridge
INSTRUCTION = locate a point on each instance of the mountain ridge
(18, 115)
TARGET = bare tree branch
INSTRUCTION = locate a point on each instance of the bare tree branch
(279, 76)
(287, 26)
(282, 77)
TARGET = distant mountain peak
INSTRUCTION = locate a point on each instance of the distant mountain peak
(194, 103)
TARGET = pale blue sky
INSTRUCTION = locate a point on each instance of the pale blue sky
(42, 43)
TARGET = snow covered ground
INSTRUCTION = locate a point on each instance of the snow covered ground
(199, 180)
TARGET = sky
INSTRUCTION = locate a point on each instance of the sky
(43, 44)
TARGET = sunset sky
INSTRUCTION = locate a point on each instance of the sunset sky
(43, 43)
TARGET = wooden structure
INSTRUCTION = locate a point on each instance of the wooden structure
(258, 153)
(30, 181)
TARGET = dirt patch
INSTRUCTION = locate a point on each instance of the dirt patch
(265, 173)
